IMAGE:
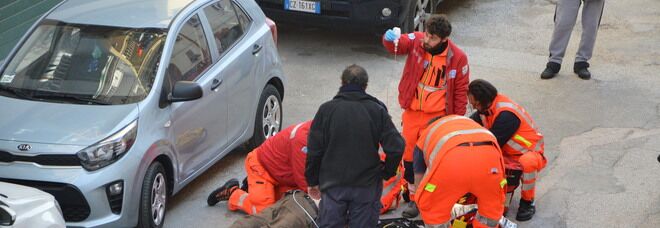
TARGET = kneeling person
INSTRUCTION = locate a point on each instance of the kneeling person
(516, 133)
(454, 156)
(273, 168)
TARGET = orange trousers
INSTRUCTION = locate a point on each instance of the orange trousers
(532, 163)
(264, 190)
(474, 169)
(413, 124)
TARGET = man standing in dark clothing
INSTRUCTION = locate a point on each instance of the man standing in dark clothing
(566, 15)
(343, 167)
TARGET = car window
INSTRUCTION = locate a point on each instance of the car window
(85, 64)
(225, 23)
(191, 55)
(243, 18)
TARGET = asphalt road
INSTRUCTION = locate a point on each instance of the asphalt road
(602, 135)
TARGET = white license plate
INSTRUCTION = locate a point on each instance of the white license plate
(303, 6)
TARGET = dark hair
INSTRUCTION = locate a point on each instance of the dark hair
(356, 75)
(482, 91)
(438, 25)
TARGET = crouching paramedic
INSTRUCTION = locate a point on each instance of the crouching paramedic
(517, 134)
(454, 156)
(273, 168)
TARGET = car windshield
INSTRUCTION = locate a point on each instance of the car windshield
(84, 64)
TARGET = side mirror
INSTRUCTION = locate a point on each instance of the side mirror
(7, 216)
(185, 91)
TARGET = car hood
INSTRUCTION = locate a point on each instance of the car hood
(58, 123)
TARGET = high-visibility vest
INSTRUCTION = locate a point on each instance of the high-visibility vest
(527, 138)
(447, 133)
(440, 137)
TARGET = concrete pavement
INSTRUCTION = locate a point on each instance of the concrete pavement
(602, 135)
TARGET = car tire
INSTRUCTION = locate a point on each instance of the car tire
(414, 20)
(154, 196)
(268, 120)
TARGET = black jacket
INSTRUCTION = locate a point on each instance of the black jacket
(344, 139)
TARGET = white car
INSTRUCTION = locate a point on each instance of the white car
(22, 206)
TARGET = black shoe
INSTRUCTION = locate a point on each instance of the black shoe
(244, 185)
(581, 69)
(526, 210)
(411, 211)
(222, 193)
(551, 70)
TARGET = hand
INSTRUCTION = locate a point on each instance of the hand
(391, 36)
(314, 192)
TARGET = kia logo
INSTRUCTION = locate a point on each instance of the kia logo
(24, 147)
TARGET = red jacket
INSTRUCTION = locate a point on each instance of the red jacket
(284, 155)
(457, 73)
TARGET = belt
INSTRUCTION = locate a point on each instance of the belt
(485, 143)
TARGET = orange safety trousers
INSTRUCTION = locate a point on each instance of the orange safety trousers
(392, 188)
(464, 169)
(413, 124)
(264, 190)
(532, 162)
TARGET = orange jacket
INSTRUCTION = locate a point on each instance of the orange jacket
(527, 137)
(442, 143)
(443, 135)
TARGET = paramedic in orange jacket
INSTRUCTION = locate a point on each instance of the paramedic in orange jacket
(454, 156)
(278, 165)
(516, 133)
(434, 82)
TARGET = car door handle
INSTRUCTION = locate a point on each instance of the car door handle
(256, 49)
(216, 83)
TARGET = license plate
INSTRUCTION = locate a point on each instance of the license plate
(303, 6)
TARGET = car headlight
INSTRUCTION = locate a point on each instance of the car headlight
(109, 150)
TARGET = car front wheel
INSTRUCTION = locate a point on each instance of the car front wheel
(418, 11)
(153, 199)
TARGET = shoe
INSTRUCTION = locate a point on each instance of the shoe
(222, 193)
(581, 69)
(526, 210)
(411, 211)
(244, 185)
(551, 70)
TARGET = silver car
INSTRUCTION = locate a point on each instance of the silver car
(112, 106)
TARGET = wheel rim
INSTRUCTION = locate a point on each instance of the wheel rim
(420, 14)
(158, 199)
(271, 118)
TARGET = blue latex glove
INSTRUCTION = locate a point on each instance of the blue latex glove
(391, 36)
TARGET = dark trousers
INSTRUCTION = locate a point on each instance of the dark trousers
(353, 206)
